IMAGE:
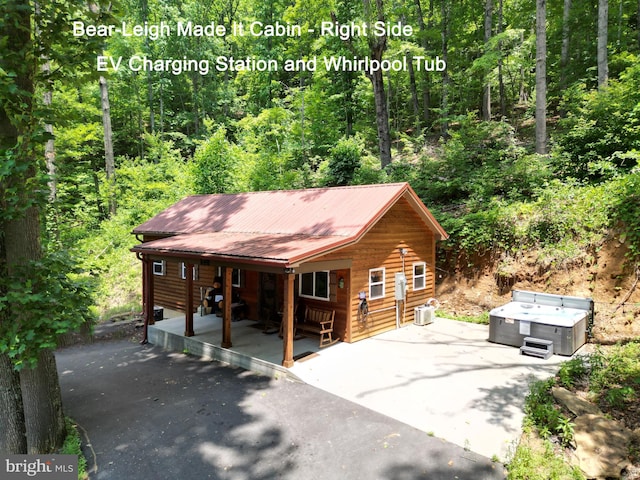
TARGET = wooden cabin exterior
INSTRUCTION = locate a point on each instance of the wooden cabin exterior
(284, 250)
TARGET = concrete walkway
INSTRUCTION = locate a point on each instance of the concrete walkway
(445, 378)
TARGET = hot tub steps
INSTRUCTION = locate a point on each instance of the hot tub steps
(537, 347)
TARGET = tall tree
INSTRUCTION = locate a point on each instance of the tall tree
(377, 47)
(30, 285)
(108, 143)
(20, 231)
(541, 77)
(445, 8)
(603, 19)
(566, 34)
(503, 101)
(486, 98)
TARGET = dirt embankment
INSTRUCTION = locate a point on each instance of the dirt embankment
(603, 274)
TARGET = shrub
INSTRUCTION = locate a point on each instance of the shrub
(615, 376)
(344, 161)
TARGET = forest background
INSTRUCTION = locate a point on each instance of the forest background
(464, 138)
(525, 145)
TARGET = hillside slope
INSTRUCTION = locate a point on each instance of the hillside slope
(606, 278)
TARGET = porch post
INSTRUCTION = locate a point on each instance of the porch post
(188, 327)
(226, 312)
(287, 318)
(147, 295)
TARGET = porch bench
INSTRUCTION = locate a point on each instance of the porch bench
(318, 322)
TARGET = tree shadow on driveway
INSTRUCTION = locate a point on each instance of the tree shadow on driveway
(150, 414)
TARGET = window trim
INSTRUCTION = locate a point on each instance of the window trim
(423, 276)
(314, 297)
(238, 284)
(381, 283)
(159, 263)
(183, 271)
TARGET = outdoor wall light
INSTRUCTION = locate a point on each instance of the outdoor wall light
(341, 282)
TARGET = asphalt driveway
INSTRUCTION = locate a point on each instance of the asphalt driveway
(149, 414)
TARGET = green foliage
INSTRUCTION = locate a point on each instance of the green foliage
(542, 412)
(572, 371)
(344, 161)
(73, 446)
(626, 211)
(480, 161)
(44, 299)
(615, 375)
(144, 189)
(482, 319)
(613, 379)
(601, 124)
(213, 164)
(532, 464)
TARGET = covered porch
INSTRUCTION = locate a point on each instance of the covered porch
(254, 347)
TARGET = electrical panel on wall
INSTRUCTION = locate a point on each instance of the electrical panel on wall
(401, 286)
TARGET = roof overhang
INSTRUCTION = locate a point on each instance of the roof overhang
(265, 250)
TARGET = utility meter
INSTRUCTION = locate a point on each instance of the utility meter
(401, 286)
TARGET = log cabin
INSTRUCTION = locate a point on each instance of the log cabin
(364, 253)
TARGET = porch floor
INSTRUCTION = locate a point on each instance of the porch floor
(253, 347)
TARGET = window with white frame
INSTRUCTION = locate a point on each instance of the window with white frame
(236, 278)
(419, 276)
(314, 285)
(159, 267)
(376, 283)
(183, 271)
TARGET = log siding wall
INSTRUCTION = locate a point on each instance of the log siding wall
(400, 228)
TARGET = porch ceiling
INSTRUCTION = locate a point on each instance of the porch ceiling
(281, 250)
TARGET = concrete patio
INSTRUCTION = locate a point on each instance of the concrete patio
(444, 378)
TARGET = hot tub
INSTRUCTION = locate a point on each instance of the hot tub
(562, 320)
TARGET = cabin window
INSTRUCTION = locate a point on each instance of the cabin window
(314, 285)
(236, 278)
(376, 283)
(158, 267)
(183, 271)
(419, 276)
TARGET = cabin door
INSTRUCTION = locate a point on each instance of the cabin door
(268, 299)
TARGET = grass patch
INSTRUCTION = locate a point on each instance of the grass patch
(126, 311)
(73, 446)
(482, 319)
(535, 459)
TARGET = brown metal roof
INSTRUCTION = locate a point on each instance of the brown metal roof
(250, 248)
(280, 226)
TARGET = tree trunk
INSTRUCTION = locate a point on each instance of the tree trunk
(426, 91)
(382, 117)
(603, 66)
(20, 243)
(47, 99)
(109, 161)
(377, 46)
(445, 77)
(414, 94)
(503, 100)
(486, 97)
(43, 405)
(566, 33)
(541, 77)
(13, 440)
